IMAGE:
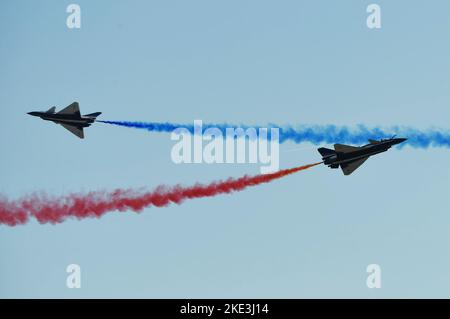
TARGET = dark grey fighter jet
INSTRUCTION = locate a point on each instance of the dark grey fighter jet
(349, 158)
(69, 117)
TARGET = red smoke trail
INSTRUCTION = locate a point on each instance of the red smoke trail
(96, 204)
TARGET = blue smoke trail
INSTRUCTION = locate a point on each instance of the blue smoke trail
(318, 134)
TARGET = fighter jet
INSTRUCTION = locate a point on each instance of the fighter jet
(349, 158)
(69, 117)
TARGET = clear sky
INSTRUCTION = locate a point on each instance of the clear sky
(288, 62)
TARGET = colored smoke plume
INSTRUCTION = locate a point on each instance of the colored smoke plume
(55, 210)
(318, 134)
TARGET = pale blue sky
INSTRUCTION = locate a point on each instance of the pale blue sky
(308, 235)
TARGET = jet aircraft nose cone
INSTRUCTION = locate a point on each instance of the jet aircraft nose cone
(32, 113)
(399, 140)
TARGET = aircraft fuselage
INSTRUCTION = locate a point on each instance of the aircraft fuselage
(364, 151)
(83, 121)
